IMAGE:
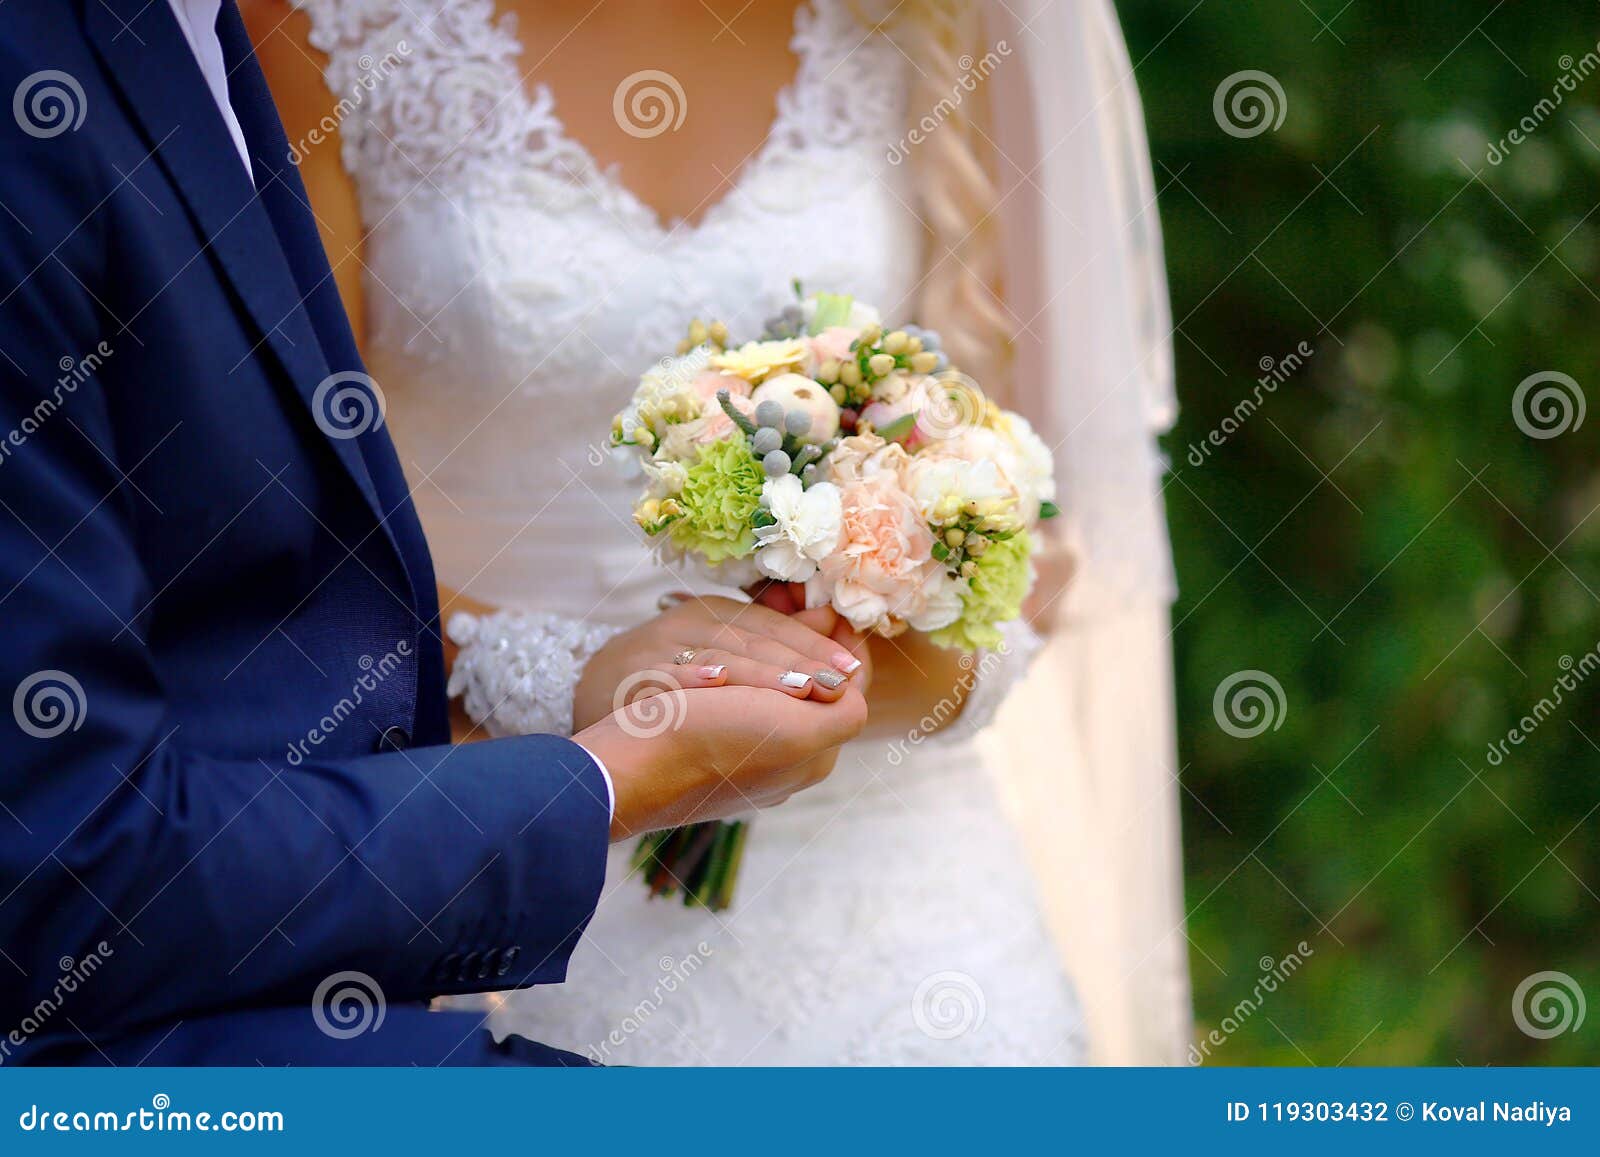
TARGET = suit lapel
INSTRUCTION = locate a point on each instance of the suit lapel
(149, 61)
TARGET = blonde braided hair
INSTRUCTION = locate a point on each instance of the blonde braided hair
(960, 294)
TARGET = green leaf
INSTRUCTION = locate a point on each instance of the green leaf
(899, 429)
(1048, 510)
(832, 309)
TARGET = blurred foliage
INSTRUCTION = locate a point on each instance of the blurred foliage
(1381, 536)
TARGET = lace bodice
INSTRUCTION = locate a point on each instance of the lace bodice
(515, 289)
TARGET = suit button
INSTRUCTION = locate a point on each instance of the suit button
(393, 739)
(507, 959)
(447, 966)
(469, 967)
(488, 964)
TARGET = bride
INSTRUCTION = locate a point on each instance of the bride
(523, 203)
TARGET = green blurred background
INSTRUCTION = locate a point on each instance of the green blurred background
(1381, 537)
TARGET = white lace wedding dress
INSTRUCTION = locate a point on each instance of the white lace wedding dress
(515, 291)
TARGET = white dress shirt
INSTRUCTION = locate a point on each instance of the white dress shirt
(198, 19)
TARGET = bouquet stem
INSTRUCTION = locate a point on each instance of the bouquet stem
(701, 860)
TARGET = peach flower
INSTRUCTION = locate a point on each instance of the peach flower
(883, 575)
(707, 382)
(833, 343)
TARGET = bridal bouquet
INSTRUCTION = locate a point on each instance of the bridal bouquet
(844, 455)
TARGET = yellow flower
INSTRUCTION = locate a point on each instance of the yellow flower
(758, 360)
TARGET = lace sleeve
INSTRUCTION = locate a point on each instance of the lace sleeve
(517, 672)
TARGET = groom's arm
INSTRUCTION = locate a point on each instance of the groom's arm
(215, 882)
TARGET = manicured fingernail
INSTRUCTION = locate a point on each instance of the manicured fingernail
(832, 680)
(713, 672)
(847, 662)
(795, 679)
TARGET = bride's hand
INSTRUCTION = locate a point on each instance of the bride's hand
(715, 642)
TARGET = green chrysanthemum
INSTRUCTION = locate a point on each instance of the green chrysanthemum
(994, 596)
(721, 491)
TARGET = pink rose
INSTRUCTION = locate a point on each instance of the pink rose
(883, 571)
(707, 382)
(833, 343)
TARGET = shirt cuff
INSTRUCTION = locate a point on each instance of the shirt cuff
(605, 774)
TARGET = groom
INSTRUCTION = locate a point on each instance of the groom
(228, 803)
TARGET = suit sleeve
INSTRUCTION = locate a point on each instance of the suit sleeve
(201, 883)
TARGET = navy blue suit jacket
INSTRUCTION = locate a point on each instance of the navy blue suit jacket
(227, 756)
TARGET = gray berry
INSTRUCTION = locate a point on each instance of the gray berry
(931, 339)
(776, 464)
(770, 413)
(797, 422)
(767, 440)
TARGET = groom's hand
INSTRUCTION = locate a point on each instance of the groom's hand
(684, 756)
(715, 642)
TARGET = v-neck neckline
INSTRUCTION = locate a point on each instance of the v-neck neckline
(504, 24)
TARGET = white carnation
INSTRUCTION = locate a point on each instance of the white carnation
(805, 529)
